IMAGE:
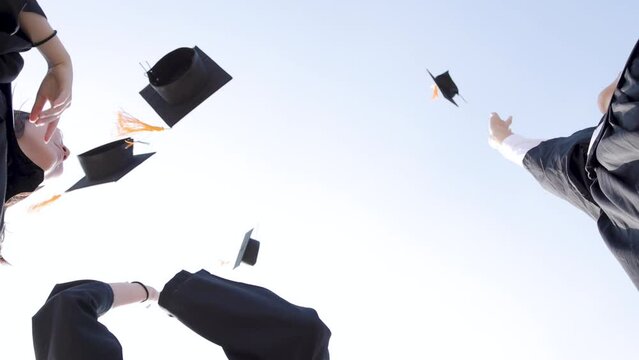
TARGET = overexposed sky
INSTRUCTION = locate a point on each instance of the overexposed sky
(385, 211)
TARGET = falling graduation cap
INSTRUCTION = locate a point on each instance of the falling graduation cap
(446, 85)
(180, 81)
(248, 250)
(108, 163)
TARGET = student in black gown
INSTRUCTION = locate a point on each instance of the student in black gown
(23, 25)
(247, 321)
(595, 169)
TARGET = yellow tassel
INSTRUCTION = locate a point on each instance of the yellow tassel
(42, 204)
(435, 92)
(127, 124)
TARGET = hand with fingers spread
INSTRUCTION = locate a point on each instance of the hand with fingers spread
(55, 89)
(499, 129)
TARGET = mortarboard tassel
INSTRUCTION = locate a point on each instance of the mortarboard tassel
(44, 203)
(127, 124)
(435, 92)
(130, 143)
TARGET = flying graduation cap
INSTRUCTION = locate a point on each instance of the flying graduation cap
(445, 84)
(248, 250)
(108, 163)
(180, 81)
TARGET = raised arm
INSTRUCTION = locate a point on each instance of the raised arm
(512, 146)
(56, 87)
(67, 326)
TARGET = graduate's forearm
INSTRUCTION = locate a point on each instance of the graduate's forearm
(37, 27)
(125, 293)
(515, 147)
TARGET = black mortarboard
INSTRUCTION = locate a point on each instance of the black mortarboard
(446, 85)
(248, 250)
(108, 163)
(180, 81)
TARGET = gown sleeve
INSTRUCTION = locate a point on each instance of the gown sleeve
(67, 326)
(11, 9)
(247, 321)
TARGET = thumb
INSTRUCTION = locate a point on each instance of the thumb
(509, 121)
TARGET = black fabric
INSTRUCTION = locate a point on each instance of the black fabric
(9, 10)
(604, 181)
(17, 172)
(67, 326)
(247, 321)
(559, 167)
(22, 174)
(12, 39)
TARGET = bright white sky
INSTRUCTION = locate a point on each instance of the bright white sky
(385, 211)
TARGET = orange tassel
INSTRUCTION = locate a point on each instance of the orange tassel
(42, 204)
(435, 92)
(127, 124)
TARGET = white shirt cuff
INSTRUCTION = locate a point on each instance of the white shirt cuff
(515, 147)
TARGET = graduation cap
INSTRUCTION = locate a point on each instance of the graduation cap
(180, 81)
(446, 85)
(248, 250)
(108, 163)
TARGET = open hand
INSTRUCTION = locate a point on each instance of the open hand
(56, 90)
(499, 129)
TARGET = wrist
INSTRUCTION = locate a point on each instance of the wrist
(64, 65)
(55, 53)
(125, 293)
(146, 290)
(59, 59)
(501, 137)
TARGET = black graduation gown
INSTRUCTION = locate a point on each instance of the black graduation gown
(247, 321)
(12, 39)
(601, 179)
(67, 328)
